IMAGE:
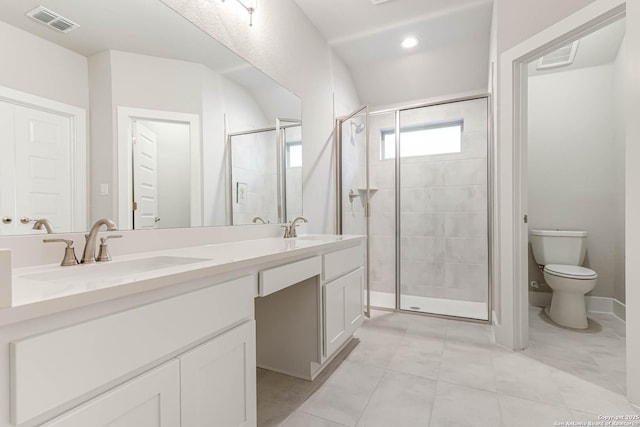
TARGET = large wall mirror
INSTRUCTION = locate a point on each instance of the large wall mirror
(124, 109)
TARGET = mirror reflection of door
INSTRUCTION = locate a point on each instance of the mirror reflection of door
(145, 177)
(36, 147)
(161, 174)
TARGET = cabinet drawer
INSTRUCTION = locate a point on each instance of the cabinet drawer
(341, 262)
(278, 278)
(51, 369)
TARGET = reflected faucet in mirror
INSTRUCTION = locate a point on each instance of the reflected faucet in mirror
(290, 230)
(257, 220)
(89, 253)
(39, 224)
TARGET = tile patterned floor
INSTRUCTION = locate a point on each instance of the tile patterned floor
(407, 370)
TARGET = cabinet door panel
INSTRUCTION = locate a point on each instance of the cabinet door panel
(354, 301)
(334, 320)
(218, 381)
(150, 400)
(342, 310)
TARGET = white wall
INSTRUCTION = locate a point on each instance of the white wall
(520, 19)
(632, 200)
(286, 46)
(36, 66)
(573, 162)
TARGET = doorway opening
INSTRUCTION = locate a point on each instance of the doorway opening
(150, 142)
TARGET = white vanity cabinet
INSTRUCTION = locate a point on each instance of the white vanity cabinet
(150, 400)
(180, 349)
(218, 381)
(189, 357)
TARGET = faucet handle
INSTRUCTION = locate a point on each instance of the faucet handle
(287, 232)
(103, 252)
(103, 240)
(293, 232)
(69, 251)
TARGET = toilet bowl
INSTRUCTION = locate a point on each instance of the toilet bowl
(569, 284)
(561, 252)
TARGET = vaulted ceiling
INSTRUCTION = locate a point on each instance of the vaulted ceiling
(452, 56)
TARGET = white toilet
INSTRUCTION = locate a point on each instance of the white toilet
(561, 252)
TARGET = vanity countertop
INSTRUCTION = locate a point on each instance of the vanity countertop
(50, 288)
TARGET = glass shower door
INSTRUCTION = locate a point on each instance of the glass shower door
(352, 183)
(441, 208)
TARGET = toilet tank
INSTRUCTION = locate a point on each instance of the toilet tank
(566, 247)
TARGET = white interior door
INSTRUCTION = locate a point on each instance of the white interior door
(7, 173)
(145, 177)
(43, 159)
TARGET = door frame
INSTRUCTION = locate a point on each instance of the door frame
(511, 328)
(124, 165)
(79, 151)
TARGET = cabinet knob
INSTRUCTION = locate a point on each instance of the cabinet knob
(7, 219)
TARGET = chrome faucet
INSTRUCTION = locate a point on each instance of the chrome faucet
(89, 253)
(258, 219)
(292, 227)
(43, 223)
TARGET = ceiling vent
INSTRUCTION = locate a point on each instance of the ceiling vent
(559, 57)
(52, 19)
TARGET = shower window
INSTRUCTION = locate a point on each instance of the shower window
(423, 140)
(294, 154)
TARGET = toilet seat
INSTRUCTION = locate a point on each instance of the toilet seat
(570, 271)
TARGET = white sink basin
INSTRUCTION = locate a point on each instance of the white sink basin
(109, 272)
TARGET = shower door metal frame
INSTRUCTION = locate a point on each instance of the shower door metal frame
(490, 184)
(280, 164)
(338, 162)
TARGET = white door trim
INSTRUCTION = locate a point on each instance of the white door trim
(125, 160)
(513, 326)
(79, 160)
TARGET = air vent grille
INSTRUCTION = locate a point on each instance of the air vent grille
(52, 19)
(559, 57)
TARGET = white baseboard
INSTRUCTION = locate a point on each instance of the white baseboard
(620, 309)
(599, 304)
(594, 304)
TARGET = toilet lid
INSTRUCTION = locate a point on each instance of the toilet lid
(570, 271)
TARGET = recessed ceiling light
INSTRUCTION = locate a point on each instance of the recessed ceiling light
(409, 42)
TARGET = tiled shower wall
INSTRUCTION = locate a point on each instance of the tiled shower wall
(443, 210)
(254, 163)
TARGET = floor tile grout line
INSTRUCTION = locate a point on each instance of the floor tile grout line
(370, 397)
